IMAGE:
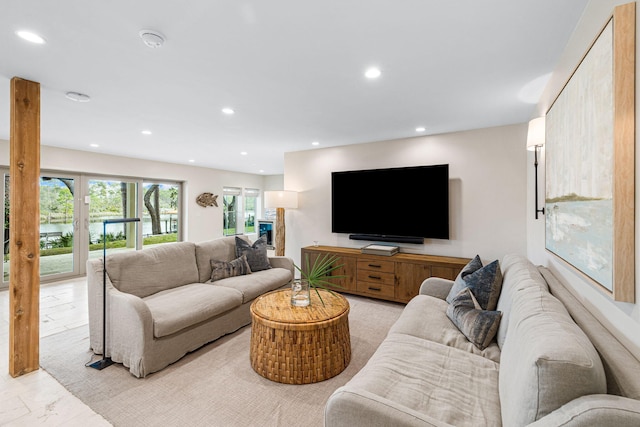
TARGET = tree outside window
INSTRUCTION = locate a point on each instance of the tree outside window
(230, 199)
(161, 215)
(250, 209)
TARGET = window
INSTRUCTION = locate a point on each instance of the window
(250, 209)
(230, 199)
(160, 217)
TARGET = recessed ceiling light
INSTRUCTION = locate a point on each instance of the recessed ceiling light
(78, 97)
(372, 73)
(152, 38)
(261, 171)
(146, 132)
(228, 110)
(94, 145)
(315, 143)
(420, 129)
(243, 153)
(30, 37)
(192, 161)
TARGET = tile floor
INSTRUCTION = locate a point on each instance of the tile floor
(37, 398)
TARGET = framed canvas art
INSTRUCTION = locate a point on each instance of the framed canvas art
(590, 128)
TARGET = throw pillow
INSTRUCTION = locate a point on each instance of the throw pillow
(223, 269)
(486, 284)
(479, 326)
(459, 284)
(256, 254)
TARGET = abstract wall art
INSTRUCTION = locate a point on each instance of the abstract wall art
(589, 157)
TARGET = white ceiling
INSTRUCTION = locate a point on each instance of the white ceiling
(291, 69)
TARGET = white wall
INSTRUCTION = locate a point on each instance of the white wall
(623, 318)
(200, 223)
(487, 189)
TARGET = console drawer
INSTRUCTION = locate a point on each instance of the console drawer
(375, 289)
(377, 277)
(376, 265)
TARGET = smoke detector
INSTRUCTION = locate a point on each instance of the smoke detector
(78, 97)
(151, 38)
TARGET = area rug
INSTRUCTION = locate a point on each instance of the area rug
(213, 386)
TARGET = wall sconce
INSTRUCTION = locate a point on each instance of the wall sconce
(535, 141)
(280, 200)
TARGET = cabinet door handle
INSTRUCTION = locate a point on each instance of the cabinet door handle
(371, 288)
(375, 277)
(375, 265)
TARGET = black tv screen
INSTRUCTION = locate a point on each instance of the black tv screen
(403, 202)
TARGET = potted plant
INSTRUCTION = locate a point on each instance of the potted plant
(316, 275)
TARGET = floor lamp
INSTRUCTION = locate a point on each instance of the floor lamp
(106, 361)
(535, 141)
(280, 200)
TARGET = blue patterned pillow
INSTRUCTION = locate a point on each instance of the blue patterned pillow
(486, 284)
(479, 326)
(459, 284)
(256, 254)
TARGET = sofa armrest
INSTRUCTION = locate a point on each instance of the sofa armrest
(130, 330)
(282, 262)
(129, 321)
(436, 287)
(347, 408)
(594, 410)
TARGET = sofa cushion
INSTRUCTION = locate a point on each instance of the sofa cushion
(143, 273)
(453, 386)
(257, 283)
(222, 249)
(256, 253)
(517, 273)
(547, 360)
(459, 284)
(223, 269)
(178, 308)
(425, 317)
(485, 283)
(479, 326)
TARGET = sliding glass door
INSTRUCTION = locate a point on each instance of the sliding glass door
(161, 213)
(59, 226)
(112, 199)
(73, 209)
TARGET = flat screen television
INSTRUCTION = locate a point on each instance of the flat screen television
(392, 204)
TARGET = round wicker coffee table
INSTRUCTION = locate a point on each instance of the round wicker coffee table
(299, 345)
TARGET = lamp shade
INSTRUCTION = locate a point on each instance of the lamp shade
(535, 137)
(280, 199)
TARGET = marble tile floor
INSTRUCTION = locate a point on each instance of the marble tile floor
(37, 398)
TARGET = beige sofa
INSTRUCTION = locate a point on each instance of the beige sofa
(161, 303)
(543, 369)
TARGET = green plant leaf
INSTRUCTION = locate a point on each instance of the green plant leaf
(318, 274)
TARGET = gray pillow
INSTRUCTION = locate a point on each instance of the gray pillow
(479, 326)
(223, 269)
(485, 283)
(459, 284)
(256, 254)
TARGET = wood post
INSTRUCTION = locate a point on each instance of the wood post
(280, 232)
(24, 226)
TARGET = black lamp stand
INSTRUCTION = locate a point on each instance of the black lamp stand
(535, 165)
(106, 361)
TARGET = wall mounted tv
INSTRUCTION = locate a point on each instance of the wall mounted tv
(396, 205)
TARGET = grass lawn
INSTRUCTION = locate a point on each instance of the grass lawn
(149, 240)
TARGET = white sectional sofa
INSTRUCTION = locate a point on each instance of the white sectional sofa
(544, 368)
(162, 304)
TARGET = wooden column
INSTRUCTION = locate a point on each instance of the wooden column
(280, 232)
(24, 226)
